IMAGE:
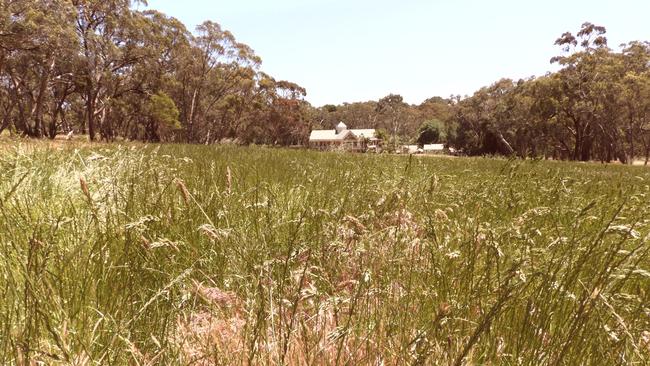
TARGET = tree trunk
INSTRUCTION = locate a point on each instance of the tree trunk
(5, 123)
(21, 123)
(578, 145)
(90, 115)
(40, 100)
(190, 130)
(52, 127)
(585, 153)
(105, 130)
(632, 151)
(6, 116)
(586, 144)
(505, 143)
(81, 117)
(58, 110)
(64, 122)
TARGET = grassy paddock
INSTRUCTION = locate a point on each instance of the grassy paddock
(222, 255)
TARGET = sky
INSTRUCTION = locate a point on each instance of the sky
(360, 50)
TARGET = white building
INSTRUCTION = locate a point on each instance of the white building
(433, 148)
(342, 138)
(425, 149)
(411, 149)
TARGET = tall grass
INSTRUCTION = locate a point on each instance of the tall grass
(196, 255)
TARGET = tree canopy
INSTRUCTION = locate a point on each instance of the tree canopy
(596, 107)
(431, 132)
(106, 70)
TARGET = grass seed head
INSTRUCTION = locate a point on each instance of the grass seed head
(183, 189)
(441, 215)
(228, 181)
(84, 188)
(645, 341)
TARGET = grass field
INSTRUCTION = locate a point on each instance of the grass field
(196, 255)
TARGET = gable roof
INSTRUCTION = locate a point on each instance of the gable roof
(331, 135)
(434, 147)
(368, 133)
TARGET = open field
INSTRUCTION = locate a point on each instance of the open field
(196, 255)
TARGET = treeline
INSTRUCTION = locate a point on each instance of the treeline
(102, 68)
(399, 121)
(105, 69)
(596, 107)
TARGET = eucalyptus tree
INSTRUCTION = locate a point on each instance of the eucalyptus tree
(578, 104)
(391, 110)
(431, 132)
(483, 120)
(214, 67)
(635, 98)
(162, 42)
(6, 109)
(36, 35)
(108, 33)
(355, 115)
(436, 108)
(279, 114)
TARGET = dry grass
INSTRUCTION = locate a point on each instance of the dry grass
(196, 255)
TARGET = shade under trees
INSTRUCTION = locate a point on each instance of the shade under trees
(596, 107)
(109, 71)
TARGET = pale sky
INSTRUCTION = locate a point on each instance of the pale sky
(359, 50)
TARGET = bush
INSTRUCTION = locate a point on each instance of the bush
(431, 132)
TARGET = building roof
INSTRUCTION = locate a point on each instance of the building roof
(434, 147)
(368, 133)
(331, 135)
(411, 149)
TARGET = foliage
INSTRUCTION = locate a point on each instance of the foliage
(90, 67)
(163, 113)
(591, 109)
(180, 254)
(595, 107)
(431, 132)
(382, 134)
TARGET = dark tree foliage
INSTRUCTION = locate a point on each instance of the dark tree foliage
(390, 114)
(596, 107)
(103, 69)
(430, 132)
